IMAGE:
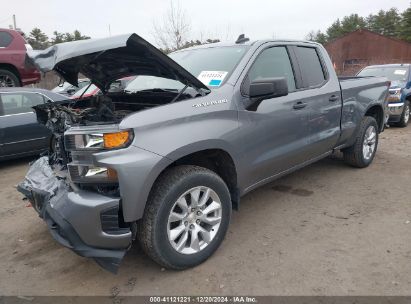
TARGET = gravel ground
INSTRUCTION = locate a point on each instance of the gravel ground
(325, 230)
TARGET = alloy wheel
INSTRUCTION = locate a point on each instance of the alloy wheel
(6, 81)
(194, 220)
(407, 114)
(370, 139)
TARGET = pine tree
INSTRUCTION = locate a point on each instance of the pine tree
(392, 23)
(388, 23)
(385, 22)
(317, 37)
(78, 36)
(58, 38)
(405, 25)
(334, 31)
(37, 39)
(351, 23)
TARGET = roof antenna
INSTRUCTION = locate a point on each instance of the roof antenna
(242, 39)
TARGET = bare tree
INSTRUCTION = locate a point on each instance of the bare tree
(227, 34)
(223, 33)
(174, 30)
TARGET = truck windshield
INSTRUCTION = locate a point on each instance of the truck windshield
(392, 73)
(210, 65)
(213, 59)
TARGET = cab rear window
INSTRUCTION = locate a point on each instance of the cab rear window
(310, 65)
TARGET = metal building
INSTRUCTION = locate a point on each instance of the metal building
(355, 50)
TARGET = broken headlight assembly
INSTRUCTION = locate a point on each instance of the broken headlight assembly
(98, 141)
(90, 174)
(82, 144)
(395, 95)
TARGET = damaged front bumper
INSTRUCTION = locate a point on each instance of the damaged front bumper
(84, 221)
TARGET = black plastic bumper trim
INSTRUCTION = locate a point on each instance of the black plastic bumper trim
(64, 234)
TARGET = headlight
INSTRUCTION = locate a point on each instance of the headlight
(99, 141)
(116, 140)
(91, 174)
(394, 94)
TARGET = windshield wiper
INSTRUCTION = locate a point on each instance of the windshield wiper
(152, 90)
(157, 90)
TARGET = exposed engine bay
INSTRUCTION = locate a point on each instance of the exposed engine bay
(96, 110)
(99, 109)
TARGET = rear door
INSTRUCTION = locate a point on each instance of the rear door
(19, 130)
(322, 98)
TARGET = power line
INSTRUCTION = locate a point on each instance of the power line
(4, 20)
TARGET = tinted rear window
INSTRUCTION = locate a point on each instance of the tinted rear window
(5, 39)
(310, 65)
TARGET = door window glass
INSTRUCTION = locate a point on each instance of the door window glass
(15, 103)
(272, 63)
(310, 65)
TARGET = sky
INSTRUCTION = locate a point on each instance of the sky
(222, 19)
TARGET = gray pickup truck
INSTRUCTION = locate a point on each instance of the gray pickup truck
(168, 159)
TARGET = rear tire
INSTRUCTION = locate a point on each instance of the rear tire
(405, 116)
(362, 152)
(181, 229)
(9, 79)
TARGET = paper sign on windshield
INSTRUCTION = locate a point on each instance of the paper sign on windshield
(400, 72)
(212, 78)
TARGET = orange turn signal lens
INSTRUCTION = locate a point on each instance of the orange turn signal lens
(116, 140)
(111, 173)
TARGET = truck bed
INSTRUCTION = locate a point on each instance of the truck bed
(358, 95)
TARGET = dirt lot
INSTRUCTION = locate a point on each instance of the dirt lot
(325, 230)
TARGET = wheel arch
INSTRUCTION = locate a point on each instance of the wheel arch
(376, 111)
(216, 159)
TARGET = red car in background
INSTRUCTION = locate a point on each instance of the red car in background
(13, 72)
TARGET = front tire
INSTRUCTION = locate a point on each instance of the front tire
(405, 116)
(186, 217)
(362, 152)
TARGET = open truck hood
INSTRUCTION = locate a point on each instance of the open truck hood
(105, 60)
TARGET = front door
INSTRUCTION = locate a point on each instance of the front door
(276, 132)
(20, 133)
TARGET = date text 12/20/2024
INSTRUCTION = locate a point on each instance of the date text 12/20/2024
(204, 299)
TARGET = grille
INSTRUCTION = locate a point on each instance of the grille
(110, 221)
(69, 142)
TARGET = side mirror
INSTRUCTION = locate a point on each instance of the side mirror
(265, 88)
(268, 88)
